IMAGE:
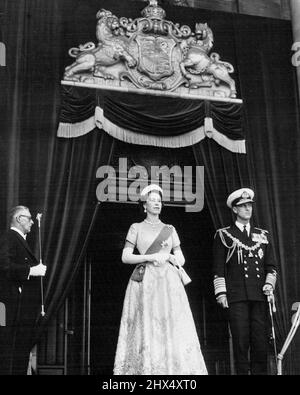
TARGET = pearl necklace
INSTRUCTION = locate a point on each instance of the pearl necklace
(152, 223)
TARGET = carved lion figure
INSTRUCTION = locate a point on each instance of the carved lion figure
(198, 61)
(112, 48)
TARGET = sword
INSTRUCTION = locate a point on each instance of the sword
(272, 309)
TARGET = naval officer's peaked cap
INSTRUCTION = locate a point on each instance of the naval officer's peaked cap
(240, 196)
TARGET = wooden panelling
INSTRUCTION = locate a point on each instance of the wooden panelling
(279, 9)
(51, 346)
(270, 8)
(285, 9)
(216, 5)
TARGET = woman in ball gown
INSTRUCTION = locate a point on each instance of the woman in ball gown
(157, 333)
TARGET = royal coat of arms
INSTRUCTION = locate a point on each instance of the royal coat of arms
(152, 54)
(155, 56)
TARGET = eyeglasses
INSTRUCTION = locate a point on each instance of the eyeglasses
(26, 216)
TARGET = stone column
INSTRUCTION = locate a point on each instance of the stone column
(295, 17)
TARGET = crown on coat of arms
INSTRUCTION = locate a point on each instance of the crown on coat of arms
(153, 11)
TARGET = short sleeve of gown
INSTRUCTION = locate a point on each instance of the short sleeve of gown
(175, 239)
(132, 234)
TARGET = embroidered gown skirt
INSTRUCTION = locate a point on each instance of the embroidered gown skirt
(157, 333)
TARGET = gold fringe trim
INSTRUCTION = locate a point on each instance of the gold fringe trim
(71, 130)
(130, 137)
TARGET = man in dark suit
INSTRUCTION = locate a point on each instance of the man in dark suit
(244, 276)
(20, 295)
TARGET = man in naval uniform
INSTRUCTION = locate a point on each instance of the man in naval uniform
(244, 276)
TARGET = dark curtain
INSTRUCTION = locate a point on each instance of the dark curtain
(272, 108)
(70, 207)
(158, 116)
(57, 177)
(224, 172)
(271, 117)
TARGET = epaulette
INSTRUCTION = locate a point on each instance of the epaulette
(263, 230)
(219, 230)
(227, 227)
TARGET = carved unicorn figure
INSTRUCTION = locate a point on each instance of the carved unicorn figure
(197, 61)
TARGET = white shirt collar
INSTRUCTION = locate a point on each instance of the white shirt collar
(18, 231)
(241, 227)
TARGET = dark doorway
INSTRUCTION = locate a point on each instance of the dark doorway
(110, 278)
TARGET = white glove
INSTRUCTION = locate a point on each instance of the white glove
(38, 270)
(159, 258)
(268, 289)
(222, 300)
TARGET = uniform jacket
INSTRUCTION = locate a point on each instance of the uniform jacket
(242, 265)
(20, 294)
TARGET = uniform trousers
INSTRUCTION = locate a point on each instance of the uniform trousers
(248, 325)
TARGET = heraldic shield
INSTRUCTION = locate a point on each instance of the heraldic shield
(155, 56)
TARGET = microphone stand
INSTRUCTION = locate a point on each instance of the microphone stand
(38, 217)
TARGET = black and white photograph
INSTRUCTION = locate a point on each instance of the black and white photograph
(149, 190)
